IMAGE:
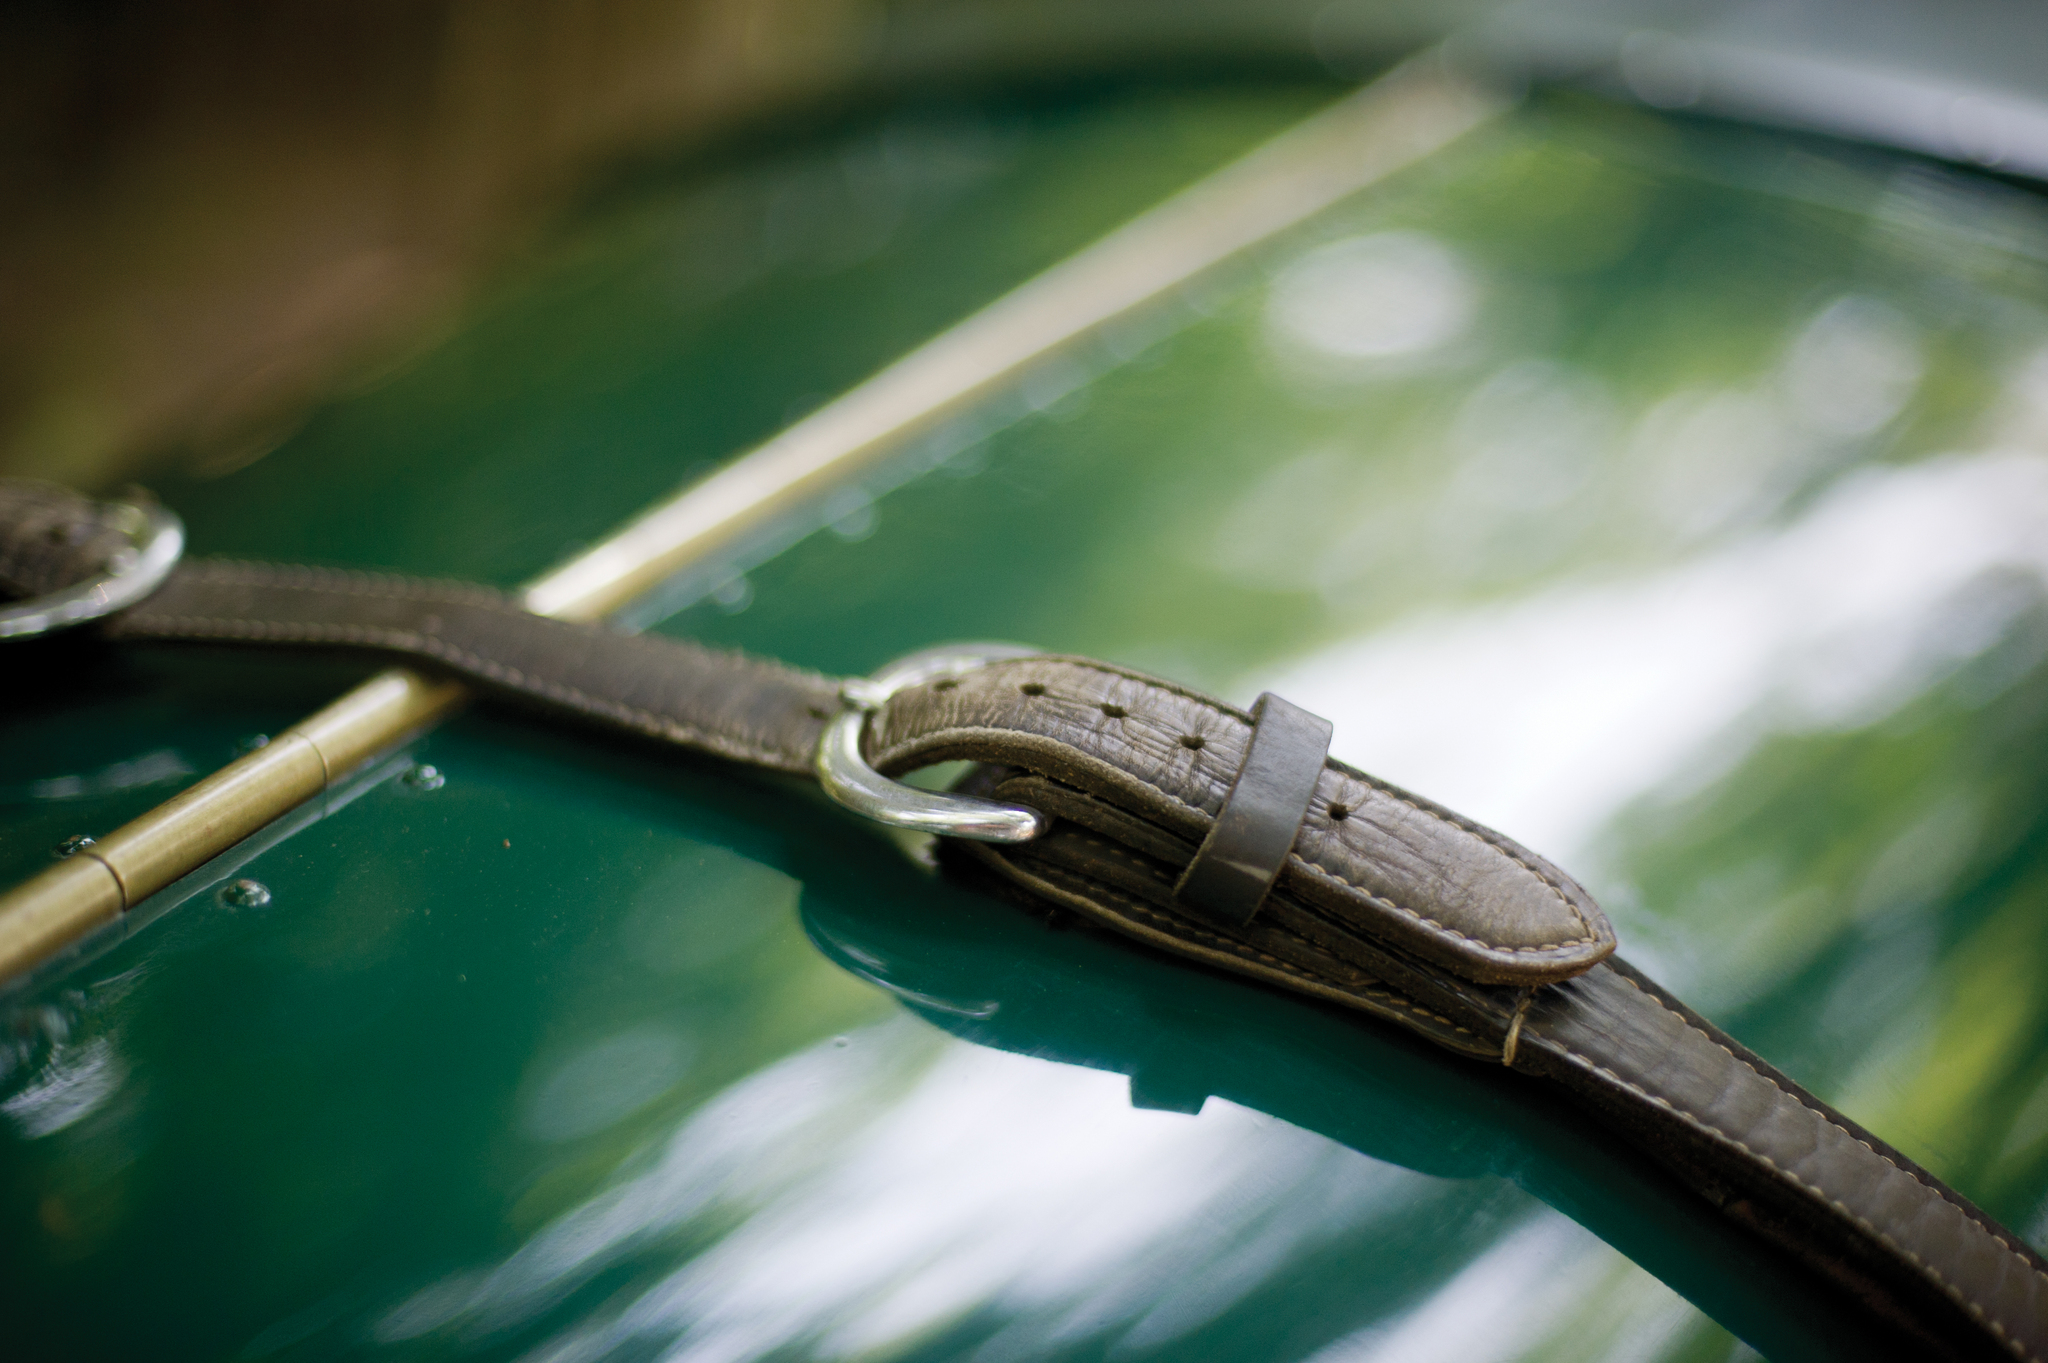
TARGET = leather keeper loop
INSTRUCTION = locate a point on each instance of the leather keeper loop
(1237, 863)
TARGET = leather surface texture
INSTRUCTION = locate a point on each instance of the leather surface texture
(1775, 1157)
(1373, 858)
(1387, 903)
(1951, 1280)
(724, 703)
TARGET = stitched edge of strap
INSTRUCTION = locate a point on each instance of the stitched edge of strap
(1445, 817)
(405, 641)
(234, 572)
(1316, 869)
(393, 586)
(1814, 1105)
(1177, 927)
(1701, 1123)
(1135, 915)
(963, 736)
(360, 583)
(1224, 951)
(1486, 835)
(1381, 901)
(1760, 1067)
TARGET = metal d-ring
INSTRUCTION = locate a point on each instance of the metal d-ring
(156, 539)
(849, 779)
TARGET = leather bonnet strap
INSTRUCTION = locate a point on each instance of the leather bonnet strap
(1299, 871)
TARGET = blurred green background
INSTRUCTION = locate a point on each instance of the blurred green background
(1668, 494)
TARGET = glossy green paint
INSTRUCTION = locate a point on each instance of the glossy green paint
(595, 1051)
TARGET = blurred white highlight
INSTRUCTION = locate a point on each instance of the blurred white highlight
(1380, 297)
(1542, 716)
(606, 1082)
(1853, 368)
(70, 1088)
(875, 1200)
(1546, 1289)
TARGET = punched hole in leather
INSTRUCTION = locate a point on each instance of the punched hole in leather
(1237, 863)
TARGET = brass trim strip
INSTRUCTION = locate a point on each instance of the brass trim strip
(1406, 115)
(1413, 111)
(94, 887)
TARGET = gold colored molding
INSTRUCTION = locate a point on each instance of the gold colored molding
(1399, 119)
(1406, 115)
(96, 885)
(55, 909)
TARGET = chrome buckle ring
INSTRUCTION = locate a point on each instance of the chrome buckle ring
(849, 779)
(157, 540)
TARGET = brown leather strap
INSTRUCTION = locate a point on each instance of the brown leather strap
(1370, 858)
(1248, 843)
(747, 709)
(1385, 902)
(1773, 1156)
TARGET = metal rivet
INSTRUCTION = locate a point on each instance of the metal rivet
(425, 776)
(77, 842)
(245, 894)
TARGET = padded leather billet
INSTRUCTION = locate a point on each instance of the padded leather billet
(1248, 843)
(1392, 865)
(1387, 903)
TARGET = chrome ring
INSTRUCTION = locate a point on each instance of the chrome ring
(848, 778)
(158, 538)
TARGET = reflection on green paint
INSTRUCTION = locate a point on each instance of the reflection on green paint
(1670, 495)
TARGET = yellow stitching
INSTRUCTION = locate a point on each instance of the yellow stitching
(1305, 942)
(1810, 1105)
(1337, 963)
(1131, 858)
(1472, 830)
(1245, 950)
(1954, 1292)
(345, 581)
(394, 587)
(1484, 835)
(647, 721)
(1315, 869)
(1453, 820)
(1700, 1122)
(1383, 902)
(1376, 990)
